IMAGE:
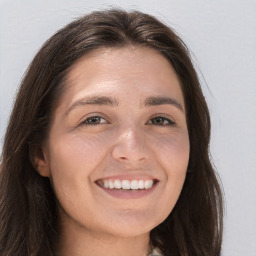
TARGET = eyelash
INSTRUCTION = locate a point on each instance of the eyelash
(163, 119)
(150, 122)
(87, 121)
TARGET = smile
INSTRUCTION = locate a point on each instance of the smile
(127, 184)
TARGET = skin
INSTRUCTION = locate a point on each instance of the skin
(127, 141)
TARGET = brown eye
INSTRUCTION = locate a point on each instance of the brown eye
(94, 120)
(161, 121)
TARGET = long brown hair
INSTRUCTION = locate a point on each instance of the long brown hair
(28, 216)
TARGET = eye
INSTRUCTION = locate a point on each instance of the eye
(94, 120)
(161, 121)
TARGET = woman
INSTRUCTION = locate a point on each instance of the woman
(106, 152)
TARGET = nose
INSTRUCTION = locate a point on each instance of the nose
(131, 147)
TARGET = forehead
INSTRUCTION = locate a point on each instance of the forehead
(117, 71)
(120, 61)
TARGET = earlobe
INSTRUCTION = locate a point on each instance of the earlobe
(40, 161)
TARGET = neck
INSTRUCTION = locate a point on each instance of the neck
(79, 241)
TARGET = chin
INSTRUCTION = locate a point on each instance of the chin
(132, 224)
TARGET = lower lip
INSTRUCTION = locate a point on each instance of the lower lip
(129, 194)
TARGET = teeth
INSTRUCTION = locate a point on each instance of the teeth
(105, 184)
(134, 184)
(110, 184)
(117, 184)
(127, 185)
(148, 184)
(141, 184)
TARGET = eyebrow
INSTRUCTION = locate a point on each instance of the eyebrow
(156, 100)
(93, 100)
(112, 102)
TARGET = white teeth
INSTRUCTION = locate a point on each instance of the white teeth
(141, 184)
(127, 185)
(134, 184)
(117, 184)
(105, 184)
(110, 184)
(148, 184)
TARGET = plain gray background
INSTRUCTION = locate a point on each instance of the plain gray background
(222, 38)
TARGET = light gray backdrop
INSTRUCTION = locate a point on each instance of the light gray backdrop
(222, 37)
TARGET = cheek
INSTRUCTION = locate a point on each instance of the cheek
(72, 160)
(173, 156)
(173, 152)
(175, 160)
(76, 152)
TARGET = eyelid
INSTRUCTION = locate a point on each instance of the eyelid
(103, 116)
(164, 116)
(91, 115)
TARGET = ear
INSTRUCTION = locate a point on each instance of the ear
(40, 160)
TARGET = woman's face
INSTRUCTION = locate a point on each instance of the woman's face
(118, 146)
